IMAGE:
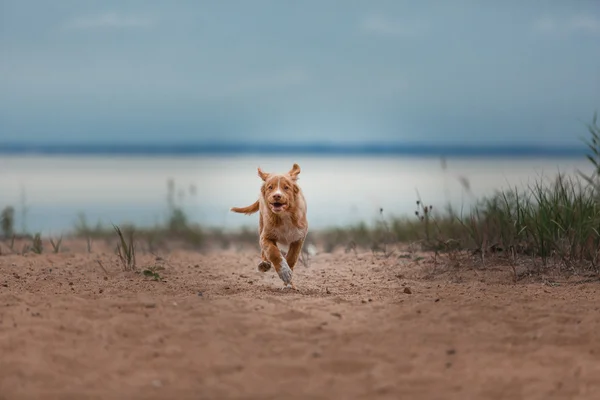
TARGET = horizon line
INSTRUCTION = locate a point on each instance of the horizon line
(347, 149)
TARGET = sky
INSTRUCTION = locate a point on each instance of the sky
(125, 71)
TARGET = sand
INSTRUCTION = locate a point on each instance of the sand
(360, 327)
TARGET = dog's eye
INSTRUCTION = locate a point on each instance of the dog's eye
(270, 187)
(286, 188)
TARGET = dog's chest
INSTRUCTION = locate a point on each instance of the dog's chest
(287, 233)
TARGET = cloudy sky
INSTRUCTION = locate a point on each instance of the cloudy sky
(326, 70)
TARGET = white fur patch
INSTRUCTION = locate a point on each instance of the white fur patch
(285, 272)
(278, 190)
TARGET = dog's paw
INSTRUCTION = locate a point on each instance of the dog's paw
(285, 272)
(291, 286)
(264, 266)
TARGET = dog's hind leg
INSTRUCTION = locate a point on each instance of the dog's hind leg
(294, 253)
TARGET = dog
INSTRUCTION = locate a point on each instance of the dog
(282, 220)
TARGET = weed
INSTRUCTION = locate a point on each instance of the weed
(560, 220)
(351, 246)
(102, 267)
(56, 245)
(385, 237)
(151, 272)
(7, 221)
(36, 245)
(126, 249)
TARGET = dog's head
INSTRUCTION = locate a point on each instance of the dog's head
(279, 190)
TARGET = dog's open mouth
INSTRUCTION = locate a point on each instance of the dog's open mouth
(277, 206)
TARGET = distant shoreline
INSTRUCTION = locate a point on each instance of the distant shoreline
(338, 150)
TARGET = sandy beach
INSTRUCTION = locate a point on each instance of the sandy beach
(360, 326)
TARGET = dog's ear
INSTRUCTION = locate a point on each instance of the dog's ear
(294, 172)
(263, 175)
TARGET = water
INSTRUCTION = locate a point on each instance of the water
(339, 191)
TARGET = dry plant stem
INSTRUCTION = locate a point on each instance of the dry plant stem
(102, 266)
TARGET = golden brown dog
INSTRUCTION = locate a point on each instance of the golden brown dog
(282, 221)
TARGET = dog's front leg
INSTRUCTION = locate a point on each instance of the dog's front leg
(294, 253)
(274, 256)
(265, 264)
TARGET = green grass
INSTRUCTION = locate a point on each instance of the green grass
(126, 249)
(548, 220)
(152, 272)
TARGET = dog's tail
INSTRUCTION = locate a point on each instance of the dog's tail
(246, 210)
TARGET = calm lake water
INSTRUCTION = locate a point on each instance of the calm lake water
(339, 190)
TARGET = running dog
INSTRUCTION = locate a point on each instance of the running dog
(282, 221)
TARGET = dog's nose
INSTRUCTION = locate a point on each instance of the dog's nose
(277, 196)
